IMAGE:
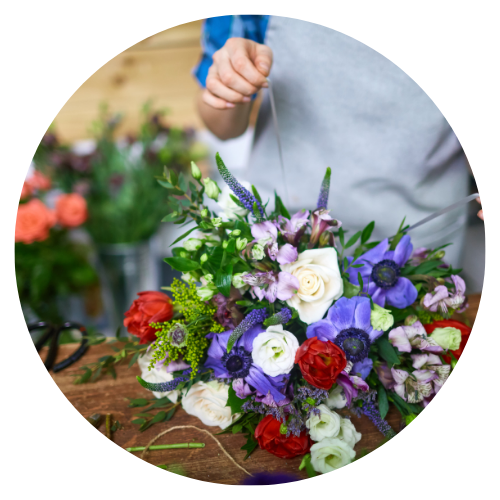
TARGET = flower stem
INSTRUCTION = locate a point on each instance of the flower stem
(168, 446)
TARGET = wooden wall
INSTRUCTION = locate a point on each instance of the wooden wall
(157, 68)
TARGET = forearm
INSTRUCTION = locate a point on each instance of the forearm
(225, 123)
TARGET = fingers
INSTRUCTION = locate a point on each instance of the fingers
(480, 215)
(478, 199)
(239, 70)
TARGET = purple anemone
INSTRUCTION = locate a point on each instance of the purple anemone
(381, 273)
(348, 325)
(238, 363)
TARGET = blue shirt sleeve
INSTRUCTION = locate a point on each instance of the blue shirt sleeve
(217, 30)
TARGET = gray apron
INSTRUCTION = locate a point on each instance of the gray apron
(343, 105)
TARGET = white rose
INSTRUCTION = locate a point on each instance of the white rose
(330, 454)
(230, 210)
(274, 351)
(336, 398)
(207, 401)
(324, 425)
(348, 432)
(320, 283)
(156, 375)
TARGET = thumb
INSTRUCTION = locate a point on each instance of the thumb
(262, 57)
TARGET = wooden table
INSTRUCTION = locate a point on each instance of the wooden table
(207, 464)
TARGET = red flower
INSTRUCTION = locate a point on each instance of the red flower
(464, 330)
(150, 307)
(320, 362)
(270, 439)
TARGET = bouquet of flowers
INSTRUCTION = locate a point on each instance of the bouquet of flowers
(284, 326)
(45, 249)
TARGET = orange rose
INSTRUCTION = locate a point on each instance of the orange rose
(33, 222)
(71, 210)
(39, 181)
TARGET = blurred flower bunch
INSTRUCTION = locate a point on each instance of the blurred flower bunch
(50, 263)
(118, 176)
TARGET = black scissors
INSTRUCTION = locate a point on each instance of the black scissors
(53, 333)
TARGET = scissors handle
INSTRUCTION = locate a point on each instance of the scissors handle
(82, 349)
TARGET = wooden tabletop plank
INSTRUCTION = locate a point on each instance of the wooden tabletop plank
(207, 464)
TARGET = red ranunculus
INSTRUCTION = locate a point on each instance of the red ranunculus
(150, 307)
(320, 362)
(464, 330)
(270, 439)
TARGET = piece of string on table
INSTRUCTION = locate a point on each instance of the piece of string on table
(198, 429)
(278, 137)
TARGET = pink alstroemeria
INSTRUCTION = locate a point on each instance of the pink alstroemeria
(433, 363)
(241, 388)
(287, 254)
(351, 385)
(292, 229)
(406, 338)
(385, 375)
(441, 298)
(321, 221)
(272, 286)
(413, 387)
(266, 235)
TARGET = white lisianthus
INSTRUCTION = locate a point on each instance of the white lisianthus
(207, 401)
(381, 319)
(192, 244)
(156, 375)
(348, 432)
(320, 283)
(274, 351)
(331, 454)
(325, 425)
(230, 210)
(238, 282)
(258, 252)
(336, 398)
(447, 338)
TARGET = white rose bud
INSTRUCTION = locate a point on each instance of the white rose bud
(336, 398)
(207, 401)
(193, 244)
(331, 454)
(211, 189)
(235, 233)
(381, 319)
(204, 213)
(241, 244)
(203, 258)
(274, 351)
(209, 279)
(258, 252)
(195, 171)
(447, 338)
(324, 425)
(348, 432)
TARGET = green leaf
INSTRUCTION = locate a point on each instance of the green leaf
(170, 414)
(184, 235)
(341, 236)
(383, 402)
(181, 264)
(256, 211)
(353, 239)
(223, 280)
(234, 402)
(256, 194)
(136, 403)
(159, 417)
(350, 290)
(306, 462)
(280, 207)
(387, 351)
(250, 445)
(135, 357)
(171, 217)
(367, 232)
(139, 421)
(360, 281)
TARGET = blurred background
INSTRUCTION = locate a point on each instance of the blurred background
(129, 119)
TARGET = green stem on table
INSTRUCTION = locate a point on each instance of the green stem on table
(108, 425)
(167, 446)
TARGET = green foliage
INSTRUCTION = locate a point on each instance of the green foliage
(387, 351)
(306, 462)
(145, 419)
(234, 402)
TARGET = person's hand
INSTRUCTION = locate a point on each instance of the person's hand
(480, 213)
(239, 70)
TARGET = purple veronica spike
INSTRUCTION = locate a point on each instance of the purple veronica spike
(325, 190)
(252, 318)
(165, 386)
(371, 411)
(246, 198)
(280, 318)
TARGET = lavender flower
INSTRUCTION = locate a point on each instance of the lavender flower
(165, 386)
(280, 318)
(325, 190)
(246, 198)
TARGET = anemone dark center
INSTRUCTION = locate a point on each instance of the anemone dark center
(355, 343)
(385, 273)
(237, 362)
(234, 364)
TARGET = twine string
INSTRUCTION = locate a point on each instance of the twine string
(198, 429)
